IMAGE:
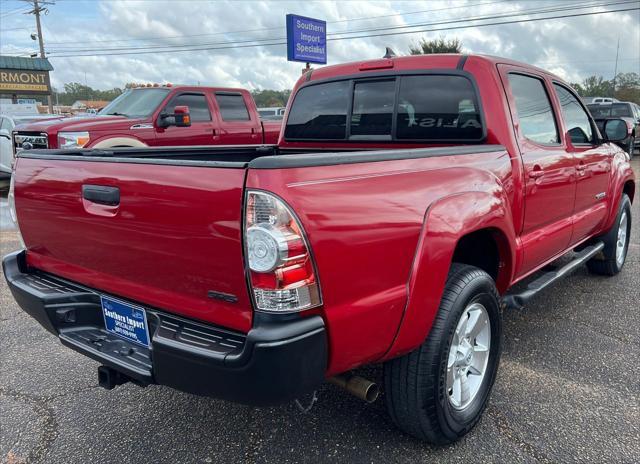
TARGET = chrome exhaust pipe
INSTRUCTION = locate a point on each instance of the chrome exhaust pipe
(359, 387)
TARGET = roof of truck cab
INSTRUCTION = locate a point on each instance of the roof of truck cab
(191, 88)
(414, 62)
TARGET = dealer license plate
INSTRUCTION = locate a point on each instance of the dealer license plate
(125, 320)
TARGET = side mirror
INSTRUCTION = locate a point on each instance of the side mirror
(179, 118)
(615, 130)
(5, 133)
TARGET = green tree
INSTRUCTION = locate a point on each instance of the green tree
(427, 47)
(594, 86)
(267, 98)
(627, 87)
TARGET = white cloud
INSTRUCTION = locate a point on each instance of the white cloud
(574, 47)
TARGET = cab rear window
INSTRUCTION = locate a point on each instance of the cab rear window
(430, 107)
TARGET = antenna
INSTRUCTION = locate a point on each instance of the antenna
(389, 53)
(615, 69)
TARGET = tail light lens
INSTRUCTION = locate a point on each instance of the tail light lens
(282, 273)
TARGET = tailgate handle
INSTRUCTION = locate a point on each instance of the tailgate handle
(101, 194)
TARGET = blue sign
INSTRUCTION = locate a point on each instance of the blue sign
(306, 39)
(125, 320)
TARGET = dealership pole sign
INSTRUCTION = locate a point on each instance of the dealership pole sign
(306, 39)
(24, 81)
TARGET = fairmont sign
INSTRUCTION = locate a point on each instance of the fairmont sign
(24, 81)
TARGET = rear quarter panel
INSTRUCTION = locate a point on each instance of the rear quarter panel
(365, 223)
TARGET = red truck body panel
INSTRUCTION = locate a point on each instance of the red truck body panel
(366, 244)
(383, 233)
(174, 237)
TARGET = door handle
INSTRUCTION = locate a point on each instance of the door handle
(101, 194)
(536, 173)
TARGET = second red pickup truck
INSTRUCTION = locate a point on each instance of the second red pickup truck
(144, 117)
(404, 200)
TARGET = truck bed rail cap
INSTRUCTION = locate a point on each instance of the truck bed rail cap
(335, 158)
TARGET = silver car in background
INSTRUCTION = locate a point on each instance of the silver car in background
(7, 124)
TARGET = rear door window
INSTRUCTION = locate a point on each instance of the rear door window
(425, 108)
(534, 110)
(232, 107)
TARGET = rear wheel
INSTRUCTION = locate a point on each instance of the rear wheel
(437, 393)
(616, 243)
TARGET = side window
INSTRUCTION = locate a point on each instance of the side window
(372, 109)
(232, 107)
(574, 116)
(534, 109)
(197, 103)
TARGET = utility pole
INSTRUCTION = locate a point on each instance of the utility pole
(40, 6)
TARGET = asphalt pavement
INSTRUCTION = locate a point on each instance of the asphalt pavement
(568, 390)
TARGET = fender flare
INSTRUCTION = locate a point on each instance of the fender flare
(119, 141)
(621, 173)
(442, 230)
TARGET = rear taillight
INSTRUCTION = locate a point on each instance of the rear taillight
(282, 274)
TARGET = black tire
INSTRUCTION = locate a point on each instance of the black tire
(415, 384)
(606, 263)
(631, 147)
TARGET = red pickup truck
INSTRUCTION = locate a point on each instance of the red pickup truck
(144, 117)
(404, 200)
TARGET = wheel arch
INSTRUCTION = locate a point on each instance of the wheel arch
(629, 188)
(453, 225)
(119, 141)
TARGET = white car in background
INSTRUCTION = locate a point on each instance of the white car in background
(7, 123)
(272, 112)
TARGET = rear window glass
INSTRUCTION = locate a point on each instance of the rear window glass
(372, 109)
(433, 108)
(609, 110)
(438, 108)
(319, 112)
(232, 107)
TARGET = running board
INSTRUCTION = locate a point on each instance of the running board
(518, 300)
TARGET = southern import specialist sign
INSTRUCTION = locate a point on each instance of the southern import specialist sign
(306, 39)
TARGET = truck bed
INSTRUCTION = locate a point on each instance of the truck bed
(173, 241)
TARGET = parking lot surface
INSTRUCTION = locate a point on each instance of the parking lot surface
(567, 391)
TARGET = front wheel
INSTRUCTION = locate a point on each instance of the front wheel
(438, 392)
(616, 243)
(631, 147)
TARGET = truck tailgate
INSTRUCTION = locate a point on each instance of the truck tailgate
(173, 241)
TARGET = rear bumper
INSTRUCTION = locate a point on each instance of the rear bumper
(275, 362)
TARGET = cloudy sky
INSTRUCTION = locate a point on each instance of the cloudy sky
(155, 33)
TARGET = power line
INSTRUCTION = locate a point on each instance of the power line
(280, 28)
(495, 23)
(15, 11)
(406, 26)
